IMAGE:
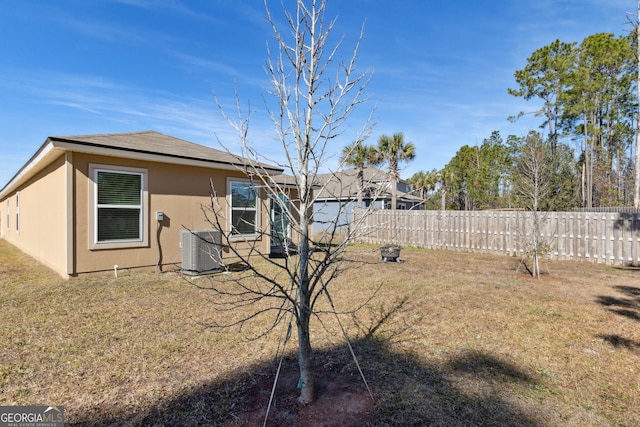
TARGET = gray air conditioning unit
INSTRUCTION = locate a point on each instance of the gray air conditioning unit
(201, 251)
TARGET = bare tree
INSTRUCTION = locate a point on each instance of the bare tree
(313, 92)
(532, 185)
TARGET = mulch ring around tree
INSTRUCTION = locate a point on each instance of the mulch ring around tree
(340, 401)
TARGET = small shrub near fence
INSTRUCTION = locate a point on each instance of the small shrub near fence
(600, 237)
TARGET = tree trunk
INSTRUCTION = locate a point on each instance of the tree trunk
(393, 178)
(360, 178)
(588, 161)
(305, 352)
(535, 268)
(636, 187)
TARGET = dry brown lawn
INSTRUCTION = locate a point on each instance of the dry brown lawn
(450, 339)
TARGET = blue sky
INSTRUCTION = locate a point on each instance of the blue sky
(440, 70)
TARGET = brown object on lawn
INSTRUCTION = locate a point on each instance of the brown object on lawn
(390, 252)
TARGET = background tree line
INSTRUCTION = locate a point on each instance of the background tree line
(588, 117)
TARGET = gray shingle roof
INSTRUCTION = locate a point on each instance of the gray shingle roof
(151, 142)
(344, 185)
(148, 145)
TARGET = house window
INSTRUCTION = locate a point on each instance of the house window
(243, 202)
(279, 219)
(119, 214)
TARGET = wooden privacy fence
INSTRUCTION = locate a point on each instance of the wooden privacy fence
(600, 237)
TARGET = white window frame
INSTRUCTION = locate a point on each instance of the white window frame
(247, 236)
(143, 239)
(18, 212)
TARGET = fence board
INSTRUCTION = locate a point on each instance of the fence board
(600, 237)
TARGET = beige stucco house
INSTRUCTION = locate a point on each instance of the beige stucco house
(85, 204)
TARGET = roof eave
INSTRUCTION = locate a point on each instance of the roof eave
(45, 155)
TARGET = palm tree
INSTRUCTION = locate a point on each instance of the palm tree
(394, 150)
(360, 156)
(423, 182)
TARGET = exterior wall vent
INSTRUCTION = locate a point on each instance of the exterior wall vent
(201, 251)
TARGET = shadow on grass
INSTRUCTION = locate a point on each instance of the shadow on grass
(620, 342)
(628, 305)
(407, 392)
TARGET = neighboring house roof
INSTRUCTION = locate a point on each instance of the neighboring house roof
(344, 186)
(145, 145)
(290, 181)
(285, 180)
